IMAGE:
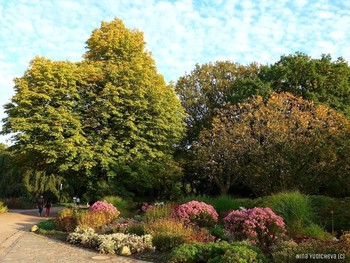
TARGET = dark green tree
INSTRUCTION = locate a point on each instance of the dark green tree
(321, 80)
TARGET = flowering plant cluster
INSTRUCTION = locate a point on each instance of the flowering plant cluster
(145, 207)
(112, 243)
(195, 212)
(260, 226)
(105, 207)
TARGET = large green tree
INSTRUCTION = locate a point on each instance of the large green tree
(275, 145)
(202, 92)
(321, 80)
(110, 113)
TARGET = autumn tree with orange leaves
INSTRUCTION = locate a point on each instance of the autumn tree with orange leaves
(279, 144)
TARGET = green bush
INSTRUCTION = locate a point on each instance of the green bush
(137, 229)
(224, 204)
(315, 231)
(166, 242)
(3, 207)
(46, 225)
(250, 203)
(295, 209)
(308, 251)
(66, 220)
(240, 254)
(333, 214)
(123, 206)
(190, 198)
(19, 203)
(215, 252)
(168, 233)
(219, 232)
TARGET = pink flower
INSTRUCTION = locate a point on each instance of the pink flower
(260, 226)
(196, 212)
(104, 206)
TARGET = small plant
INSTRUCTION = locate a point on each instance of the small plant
(168, 233)
(217, 252)
(105, 207)
(198, 213)
(260, 226)
(112, 243)
(3, 207)
(94, 220)
(46, 225)
(66, 220)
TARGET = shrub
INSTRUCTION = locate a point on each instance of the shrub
(190, 198)
(105, 207)
(122, 205)
(315, 231)
(250, 203)
(195, 212)
(285, 252)
(224, 204)
(240, 254)
(110, 243)
(3, 207)
(91, 219)
(168, 233)
(46, 225)
(336, 213)
(19, 203)
(121, 225)
(260, 226)
(137, 229)
(215, 252)
(66, 220)
(295, 209)
(309, 250)
(157, 211)
(219, 232)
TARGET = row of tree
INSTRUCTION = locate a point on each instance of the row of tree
(111, 125)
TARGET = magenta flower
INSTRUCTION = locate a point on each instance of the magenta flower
(260, 226)
(195, 212)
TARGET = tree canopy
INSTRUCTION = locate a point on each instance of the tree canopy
(280, 144)
(95, 117)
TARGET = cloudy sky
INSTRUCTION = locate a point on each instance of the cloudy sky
(180, 33)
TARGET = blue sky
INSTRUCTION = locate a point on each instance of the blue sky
(180, 33)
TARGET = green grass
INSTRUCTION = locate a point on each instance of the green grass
(294, 207)
(224, 204)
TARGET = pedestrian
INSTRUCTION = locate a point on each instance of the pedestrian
(48, 207)
(40, 206)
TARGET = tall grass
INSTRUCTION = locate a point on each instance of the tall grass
(122, 205)
(224, 204)
(295, 209)
(157, 212)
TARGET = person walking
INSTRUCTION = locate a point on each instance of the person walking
(48, 207)
(40, 206)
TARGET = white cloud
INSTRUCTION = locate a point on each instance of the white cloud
(180, 33)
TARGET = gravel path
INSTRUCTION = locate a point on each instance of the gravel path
(18, 245)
